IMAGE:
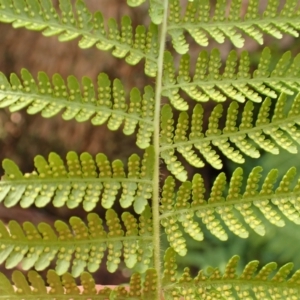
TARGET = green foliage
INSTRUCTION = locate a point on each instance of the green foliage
(41, 15)
(263, 114)
(86, 180)
(38, 246)
(50, 98)
(65, 287)
(273, 129)
(199, 23)
(207, 283)
(236, 81)
(229, 207)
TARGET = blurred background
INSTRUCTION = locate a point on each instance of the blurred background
(24, 136)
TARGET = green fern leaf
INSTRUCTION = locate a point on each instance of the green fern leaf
(235, 82)
(42, 16)
(172, 230)
(38, 246)
(238, 205)
(200, 24)
(169, 80)
(135, 3)
(114, 247)
(173, 165)
(144, 253)
(156, 11)
(214, 284)
(170, 267)
(273, 129)
(65, 287)
(230, 208)
(177, 34)
(50, 98)
(86, 180)
(174, 234)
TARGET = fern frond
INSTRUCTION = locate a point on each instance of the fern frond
(156, 11)
(271, 131)
(235, 82)
(267, 283)
(107, 105)
(135, 3)
(65, 287)
(42, 16)
(198, 21)
(230, 207)
(84, 180)
(38, 246)
(215, 284)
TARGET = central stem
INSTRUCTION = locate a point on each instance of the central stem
(156, 181)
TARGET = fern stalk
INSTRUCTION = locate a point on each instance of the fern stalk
(156, 144)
